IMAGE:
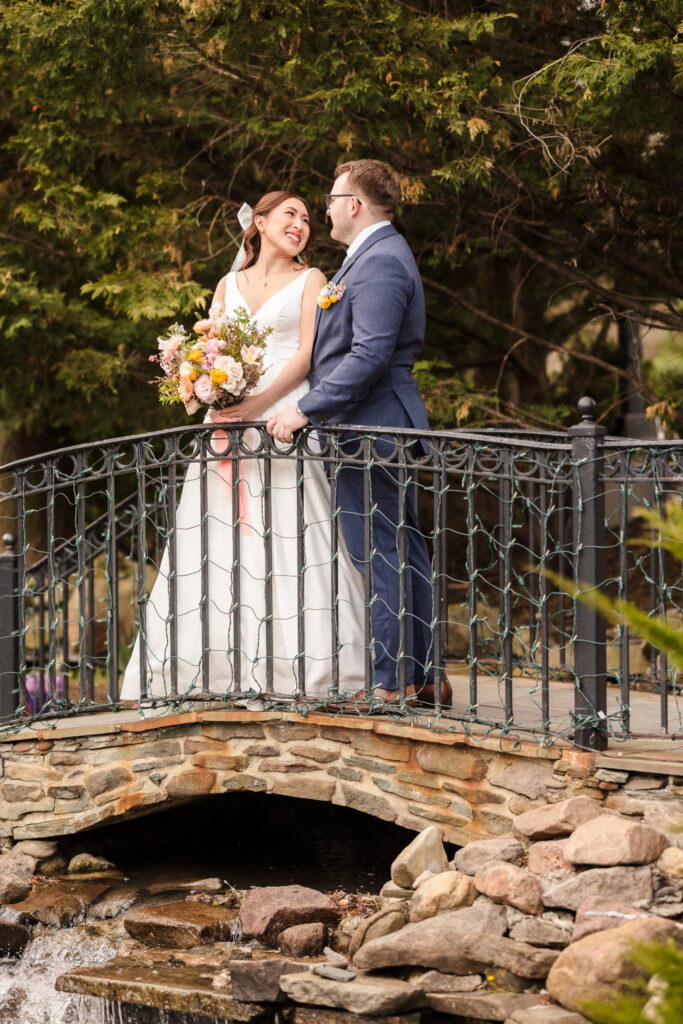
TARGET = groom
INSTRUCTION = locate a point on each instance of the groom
(364, 349)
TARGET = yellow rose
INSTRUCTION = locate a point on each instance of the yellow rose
(218, 376)
(333, 298)
(194, 375)
(195, 355)
(325, 302)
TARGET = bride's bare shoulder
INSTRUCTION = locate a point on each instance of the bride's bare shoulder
(219, 294)
(316, 279)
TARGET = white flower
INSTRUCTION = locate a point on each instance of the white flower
(234, 374)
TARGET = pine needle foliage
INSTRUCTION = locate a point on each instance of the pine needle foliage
(658, 992)
(539, 147)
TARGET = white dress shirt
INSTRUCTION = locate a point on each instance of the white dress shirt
(362, 235)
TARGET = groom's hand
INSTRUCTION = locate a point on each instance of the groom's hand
(283, 424)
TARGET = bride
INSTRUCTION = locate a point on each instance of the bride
(279, 291)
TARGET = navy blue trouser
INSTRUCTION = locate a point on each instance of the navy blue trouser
(387, 614)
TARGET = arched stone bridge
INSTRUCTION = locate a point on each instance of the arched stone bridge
(87, 770)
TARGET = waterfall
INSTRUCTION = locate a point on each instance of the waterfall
(27, 985)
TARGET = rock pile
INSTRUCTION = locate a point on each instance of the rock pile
(547, 916)
(524, 928)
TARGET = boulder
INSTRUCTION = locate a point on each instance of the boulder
(13, 938)
(597, 966)
(434, 981)
(303, 939)
(424, 877)
(599, 915)
(445, 891)
(538, 932)
(542, 1014)
(454, 944)
(384, 922)
(369, 996)
(39, 849)
(389, 891)
(16, 873)
(269, 910)
(258, 981)
(84, 863)
(425, 853)
(665, 815)
(509, 884)
(610, 840)
(55, 865)
(671, 862)
(473, 856)
(547, 858)
(609, 883)
(481, 1005)
(558, 819)
(181, 925)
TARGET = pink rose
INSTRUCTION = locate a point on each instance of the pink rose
(204, 389)
(169, 348)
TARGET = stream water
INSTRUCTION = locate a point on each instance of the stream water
(246, 839)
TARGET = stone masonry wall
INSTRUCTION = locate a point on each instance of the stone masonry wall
(64, 780)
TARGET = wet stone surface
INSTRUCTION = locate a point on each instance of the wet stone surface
(13, 938)
(57, 901)
(181, 925)
(175, 988)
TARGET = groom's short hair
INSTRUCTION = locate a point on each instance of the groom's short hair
(376, 181)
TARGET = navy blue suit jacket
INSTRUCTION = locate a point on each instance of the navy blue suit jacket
(365, 345)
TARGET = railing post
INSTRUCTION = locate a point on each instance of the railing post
(588, 492)
(9, 628)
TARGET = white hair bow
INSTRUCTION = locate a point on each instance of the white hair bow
(245, 216)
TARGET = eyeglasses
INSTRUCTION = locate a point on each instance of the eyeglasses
(331, 196)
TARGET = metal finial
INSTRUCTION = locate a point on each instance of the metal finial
(586, 409)
(10, 542)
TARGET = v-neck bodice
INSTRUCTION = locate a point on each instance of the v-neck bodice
(295, 280)
(282, 313)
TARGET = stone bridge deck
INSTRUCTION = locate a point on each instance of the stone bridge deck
(76, 773)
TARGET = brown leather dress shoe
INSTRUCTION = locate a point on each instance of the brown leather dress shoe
(427, 695)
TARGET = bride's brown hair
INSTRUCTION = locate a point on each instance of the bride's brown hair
(268, 202)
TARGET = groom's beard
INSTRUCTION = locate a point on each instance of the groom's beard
(341, 231)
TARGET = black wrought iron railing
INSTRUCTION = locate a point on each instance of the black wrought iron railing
(209, 562)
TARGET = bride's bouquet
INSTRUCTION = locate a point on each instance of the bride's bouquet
(216, 366)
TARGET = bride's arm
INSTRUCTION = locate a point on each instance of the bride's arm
(219, 295)
(296, 369)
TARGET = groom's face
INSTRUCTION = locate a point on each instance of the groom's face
(343, 226)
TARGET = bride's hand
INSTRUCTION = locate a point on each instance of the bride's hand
(245, 411)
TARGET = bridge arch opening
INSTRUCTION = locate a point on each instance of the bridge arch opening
(250, 839)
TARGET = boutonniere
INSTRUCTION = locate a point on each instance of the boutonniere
(330, 293)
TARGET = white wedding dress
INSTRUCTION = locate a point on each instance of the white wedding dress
(282, 312)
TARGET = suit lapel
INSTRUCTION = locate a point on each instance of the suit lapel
(376, 236)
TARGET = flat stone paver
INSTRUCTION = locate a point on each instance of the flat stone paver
(647, 740)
